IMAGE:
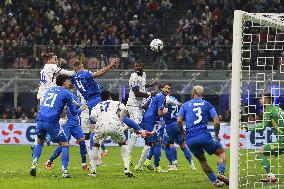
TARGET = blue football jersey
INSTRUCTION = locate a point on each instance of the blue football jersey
(196, 113)
(73, 120)
(53, 104)
(86, 85)
(151, 113)
(172, 114)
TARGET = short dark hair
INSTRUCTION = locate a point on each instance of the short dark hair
(105, 95)
(76, 63)
(165, 83)
(50, 55)
(138, 61)
(60, 79)
(269, 96)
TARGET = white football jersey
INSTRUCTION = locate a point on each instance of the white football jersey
(140, 82)
(48, 77)
(108, 111)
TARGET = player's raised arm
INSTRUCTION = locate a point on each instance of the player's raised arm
(105, 69)
(66, 72)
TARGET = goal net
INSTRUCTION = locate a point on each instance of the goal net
(257, 69)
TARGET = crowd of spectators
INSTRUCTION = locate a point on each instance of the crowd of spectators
(77, 29)
(12, 114)
(204, 37)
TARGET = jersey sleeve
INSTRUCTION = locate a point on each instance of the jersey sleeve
(161, 101)
(181, 112)
(65, 72)
(212, 111)
(69, 102)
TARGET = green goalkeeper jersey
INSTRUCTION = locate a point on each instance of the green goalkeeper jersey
(273, 117)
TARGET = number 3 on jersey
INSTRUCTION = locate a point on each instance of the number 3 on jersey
(198, 115)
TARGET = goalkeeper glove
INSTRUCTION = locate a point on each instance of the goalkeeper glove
(244, 128)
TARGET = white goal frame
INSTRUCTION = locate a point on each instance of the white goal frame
(269, 19)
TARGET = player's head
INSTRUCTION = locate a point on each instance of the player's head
(105, 95)
(52, 58)
(166, 88)
(197, 91)
(78, 66)
(138, 67)
(266, 99)
(63, 81)
(44, 57)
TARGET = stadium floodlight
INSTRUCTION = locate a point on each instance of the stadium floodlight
(257, 63)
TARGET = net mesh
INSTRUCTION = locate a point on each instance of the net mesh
(262, 72)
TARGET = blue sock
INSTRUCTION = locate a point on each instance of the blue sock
(174, 152)
(187, 154)
(103, 146)
(212, 177)
(91, 140)
(65, 157)
(221, 168)
(37, 153)
(55, 154)
(157, 154)
(83, 151)
(169, 154)
(151, 153)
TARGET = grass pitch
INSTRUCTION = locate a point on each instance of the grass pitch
(15, 162)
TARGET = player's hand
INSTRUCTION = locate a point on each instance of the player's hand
(114, 62)
(153, 93)
(155, 82)
(244, 128)
(216, 138)
(165, 110)
(84, 107)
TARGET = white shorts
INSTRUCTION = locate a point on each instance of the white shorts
(105, 129)
(135, 113)
(85, 122)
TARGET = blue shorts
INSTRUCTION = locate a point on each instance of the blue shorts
(55, 132)
(92, 103)
(149, 127)
(202, 142)
(76, 132)
(172, 134)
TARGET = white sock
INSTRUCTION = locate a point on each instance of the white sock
(36, 141)
(87, 142)
(132, 142)
(144, 155)
(125, 156)
(93, 158)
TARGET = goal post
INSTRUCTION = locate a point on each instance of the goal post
(242, 56)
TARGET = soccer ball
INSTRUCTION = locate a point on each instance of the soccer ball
(156, 45)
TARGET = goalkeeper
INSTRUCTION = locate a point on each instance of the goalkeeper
(273, 117)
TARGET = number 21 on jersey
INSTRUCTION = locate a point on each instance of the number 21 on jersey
(50, 99)
(198, 113)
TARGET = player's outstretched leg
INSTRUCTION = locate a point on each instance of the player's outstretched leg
(170, 157)
(65, 160)
(187, 155)
(157, 157)
(174, 152)
(148, 162)
(209, 172)
(266, 164)
(125, 158)
(54, 155)
(83, 153)
(104, 150)
(142, 159)
(131, 144)
(221, 160)
(36, 156)
(93, 157)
